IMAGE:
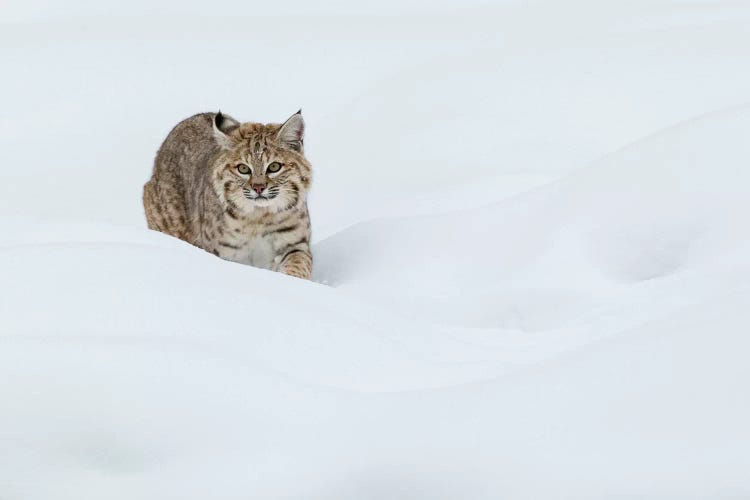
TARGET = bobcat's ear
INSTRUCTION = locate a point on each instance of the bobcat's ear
(291, 134)
(223, 126)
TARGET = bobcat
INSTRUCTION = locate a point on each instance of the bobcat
(235, 189)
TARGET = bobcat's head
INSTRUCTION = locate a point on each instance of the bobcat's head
(261, 166)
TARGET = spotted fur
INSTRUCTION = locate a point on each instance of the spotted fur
(213, 186)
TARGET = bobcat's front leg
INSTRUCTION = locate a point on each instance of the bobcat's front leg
(297, 263)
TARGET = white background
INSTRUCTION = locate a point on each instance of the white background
(530, 248)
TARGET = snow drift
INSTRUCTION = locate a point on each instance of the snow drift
(495, 336)
(137, 366)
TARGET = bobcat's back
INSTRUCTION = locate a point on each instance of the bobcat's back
(180, 176)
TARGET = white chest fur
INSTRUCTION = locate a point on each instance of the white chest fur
(257, 251)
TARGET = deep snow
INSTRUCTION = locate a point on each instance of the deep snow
(530, 246)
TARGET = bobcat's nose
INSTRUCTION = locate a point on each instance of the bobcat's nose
(258, 188)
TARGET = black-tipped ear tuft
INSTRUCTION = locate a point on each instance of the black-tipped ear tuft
(225, 123)
(291, 133)
(223, 126)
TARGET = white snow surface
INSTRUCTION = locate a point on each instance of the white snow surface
(530, 239)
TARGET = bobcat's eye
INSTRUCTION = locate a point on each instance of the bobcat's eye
(243, 169)
(274, 167)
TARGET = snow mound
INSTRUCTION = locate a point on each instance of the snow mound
(591, 332)
(664, 211)
(507, 302)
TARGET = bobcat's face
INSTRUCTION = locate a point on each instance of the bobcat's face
(261, 166)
